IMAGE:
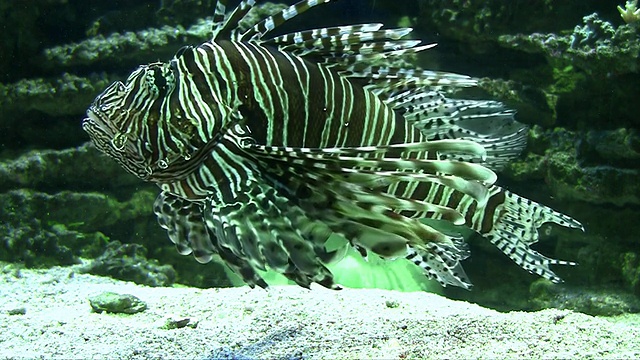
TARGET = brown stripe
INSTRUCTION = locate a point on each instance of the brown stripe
(489, 212)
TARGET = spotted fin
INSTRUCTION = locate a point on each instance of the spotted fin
(488, 123)
(267, 231)
(185, 225)
(442, 262)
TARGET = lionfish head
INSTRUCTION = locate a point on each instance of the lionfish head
(129, 122)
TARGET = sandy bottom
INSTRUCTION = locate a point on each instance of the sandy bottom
(287, 323)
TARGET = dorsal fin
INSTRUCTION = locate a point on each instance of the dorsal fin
(269, 23)
(354, 42)
(218, 16)
(226, 26)
(299, 37)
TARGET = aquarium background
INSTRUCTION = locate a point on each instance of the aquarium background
(570, 69)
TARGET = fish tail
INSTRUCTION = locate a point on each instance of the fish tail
(515, 228)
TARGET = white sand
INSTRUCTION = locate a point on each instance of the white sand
(287, 323)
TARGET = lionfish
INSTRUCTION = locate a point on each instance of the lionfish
(263, 147)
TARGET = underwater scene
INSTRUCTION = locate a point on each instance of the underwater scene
(319, 179)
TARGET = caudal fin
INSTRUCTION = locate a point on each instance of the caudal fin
(516, 221)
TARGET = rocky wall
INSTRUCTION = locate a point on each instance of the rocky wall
(570, 69)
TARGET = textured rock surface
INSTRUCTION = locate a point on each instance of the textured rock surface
(571, 75)
(115, 303)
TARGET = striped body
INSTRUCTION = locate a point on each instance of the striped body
(265, 147)
(285, 101)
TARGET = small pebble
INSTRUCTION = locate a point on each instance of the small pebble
(17, 311)
(393, 343)
(392, 304)
(176, 322)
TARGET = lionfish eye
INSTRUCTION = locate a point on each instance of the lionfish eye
(119, 141)
(159, 77)
(155, 78)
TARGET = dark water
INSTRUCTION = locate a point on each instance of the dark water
(574, 82)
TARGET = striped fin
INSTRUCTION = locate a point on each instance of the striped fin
(296, 40)
(442, 262)
(488, 123)
(388, 82)
(507, 220)
(339, 41)
(365, 218)
(349, 165)
(357, 60)
(184, 224)
(226, 25)
(186, 227)
(349, 45)
(515, 227)
(470, 147)
(220, 13)
(395, 85)
(266, 230)
(257, 31)
(350, 158)
(349, 50)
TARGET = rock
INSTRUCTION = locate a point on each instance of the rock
(631, 270)
(73, 168)
(116, 303)
(595, 302)
(596, 47)
(44, 230)
(619, 147)
(128, 262)
(593, 184)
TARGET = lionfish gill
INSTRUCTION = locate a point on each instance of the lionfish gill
(264, 146)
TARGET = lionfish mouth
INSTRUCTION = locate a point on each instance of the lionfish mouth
(99, 130)
(97, 125)
(93, 114)
(91, 120)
